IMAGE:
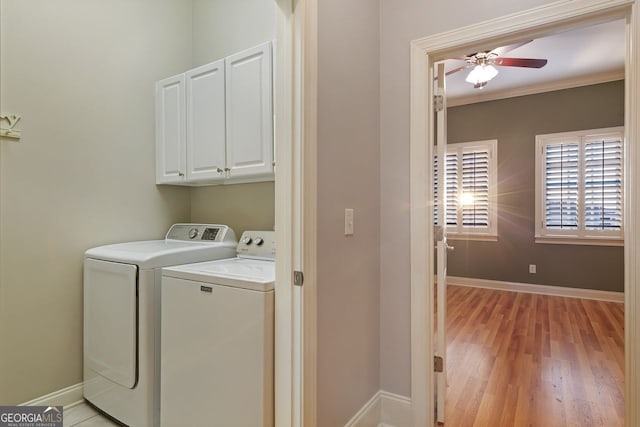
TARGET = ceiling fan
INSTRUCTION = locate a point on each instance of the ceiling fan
(484, 64)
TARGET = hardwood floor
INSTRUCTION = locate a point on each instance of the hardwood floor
(516, 359)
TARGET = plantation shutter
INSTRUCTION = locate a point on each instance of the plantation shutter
(561, 176)
(475, 188)
(452, 189)
(603, 184)
(435, 190)
(468, 168)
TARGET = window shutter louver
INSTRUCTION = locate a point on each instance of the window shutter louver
(561, 177)
(475, 184)
(435, 190)
(603, 185)
(452, 189)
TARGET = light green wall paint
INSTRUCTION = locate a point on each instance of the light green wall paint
(220, 28)
(240, 206)
(224, 27)
(81, 74)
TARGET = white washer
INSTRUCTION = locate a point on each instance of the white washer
(217, 339)
(122, 316)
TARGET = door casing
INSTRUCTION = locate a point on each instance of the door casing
(502, 31)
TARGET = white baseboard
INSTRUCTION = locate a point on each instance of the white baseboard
(529, 288)
(369, 414)
(67, 397)
(395, 411)
(383, 410)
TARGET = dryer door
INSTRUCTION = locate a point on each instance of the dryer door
(110, 320)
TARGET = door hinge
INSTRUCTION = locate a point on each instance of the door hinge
(438, 103)
(298, 278)
(438, 364)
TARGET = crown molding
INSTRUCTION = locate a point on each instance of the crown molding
(569, 83)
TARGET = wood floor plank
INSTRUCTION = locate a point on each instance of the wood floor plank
(516, 359)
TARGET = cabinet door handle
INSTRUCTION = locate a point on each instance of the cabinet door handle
(220, 170)
(180, 174)
(227, 170)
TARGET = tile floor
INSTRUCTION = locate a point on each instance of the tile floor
(84, 415)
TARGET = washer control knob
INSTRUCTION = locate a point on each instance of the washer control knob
(259, 241)
(247, 240)
(193, 233)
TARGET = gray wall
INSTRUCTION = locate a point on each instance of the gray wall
(348, 177)
(81, 74)
(400, 22)
(220, 28)
(515, 122)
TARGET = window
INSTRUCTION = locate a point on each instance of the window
(470, 171)
(579, 189)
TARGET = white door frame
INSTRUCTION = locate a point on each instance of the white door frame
(295, 212)
(498, 32)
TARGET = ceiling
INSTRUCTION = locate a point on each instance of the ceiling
(583, 56)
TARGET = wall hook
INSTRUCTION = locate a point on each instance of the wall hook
(11, 120)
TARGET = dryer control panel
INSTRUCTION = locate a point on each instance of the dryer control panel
(258, 245)
(201, 233)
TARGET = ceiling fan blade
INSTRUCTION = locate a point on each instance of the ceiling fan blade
(520, 62)
(455, 70)
(499, 51)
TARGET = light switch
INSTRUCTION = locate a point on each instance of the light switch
(348, 222)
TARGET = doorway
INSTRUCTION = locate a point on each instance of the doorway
(491, 192)
(425, 53)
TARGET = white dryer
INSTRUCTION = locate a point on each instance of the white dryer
(217, 339)
(122, 316)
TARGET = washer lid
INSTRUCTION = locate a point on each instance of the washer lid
(253, 274)
(161, 253)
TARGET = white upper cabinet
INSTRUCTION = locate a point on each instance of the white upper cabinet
(249, 113)
(206, 123)
(170, 130)
(214, 123)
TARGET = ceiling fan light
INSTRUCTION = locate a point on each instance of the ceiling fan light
(481, 73)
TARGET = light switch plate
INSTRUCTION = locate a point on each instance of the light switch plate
(348, 222)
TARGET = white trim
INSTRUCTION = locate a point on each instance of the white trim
(533, 23)
(395, 410)
(422, 235)
(304, 224)
(288, 397)
(67, 397)
(580, 236)
(384, 409)
(370, 413)
(592, 79)
(295, 183)
(632, 220)
(588, 241)
(451, 236)
(531, 288)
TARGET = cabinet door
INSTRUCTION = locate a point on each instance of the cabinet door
(249, 113)
(206, 123)
(170, 131)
